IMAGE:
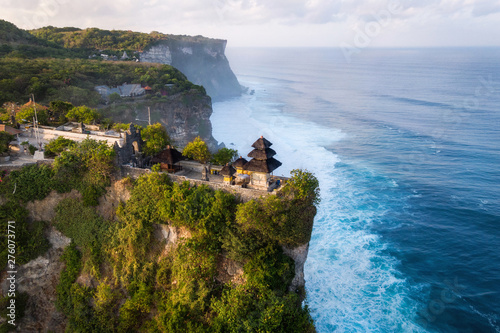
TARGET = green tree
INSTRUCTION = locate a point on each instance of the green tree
(303, 185)
(114, 97)
(83, 114)
(58, 109)
(57, 146)
(5, 139)
(224, 156)
(155, 139)
(26, 114)
(197, 150)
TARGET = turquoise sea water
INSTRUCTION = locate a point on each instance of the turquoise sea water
(406, 145)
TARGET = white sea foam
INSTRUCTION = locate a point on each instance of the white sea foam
(352, 286)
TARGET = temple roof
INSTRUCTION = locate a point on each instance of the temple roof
(240, 162)
(262, 143)
(227, 170)
(168, 156)
(262, 154)
(266, 166)
(10, 130)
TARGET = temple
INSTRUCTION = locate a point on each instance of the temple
(262, 163)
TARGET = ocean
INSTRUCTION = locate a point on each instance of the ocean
(406, 146)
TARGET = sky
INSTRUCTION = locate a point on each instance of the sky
(279, 23)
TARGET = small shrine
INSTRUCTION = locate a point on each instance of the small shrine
(239, 164)
(228, 172)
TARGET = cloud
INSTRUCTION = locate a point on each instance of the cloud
(220, 18)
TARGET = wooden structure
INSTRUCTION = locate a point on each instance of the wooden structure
(168, 159)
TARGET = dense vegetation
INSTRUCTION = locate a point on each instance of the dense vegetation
(19, 43)
(74, 80)
(97, 39)
(178, 291)
(142, 287)
(86, 166)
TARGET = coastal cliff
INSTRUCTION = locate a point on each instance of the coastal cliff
(202, 60)
(131, 253)
(185, 116)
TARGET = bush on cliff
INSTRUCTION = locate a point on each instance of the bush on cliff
(29, 236)
(32, 182)
(86, 228)
(286, 218)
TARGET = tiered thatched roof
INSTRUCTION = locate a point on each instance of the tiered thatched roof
(266, 166)
(262, 143)
(262, 154)
(262, 157)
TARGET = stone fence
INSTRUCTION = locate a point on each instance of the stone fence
(243, 194)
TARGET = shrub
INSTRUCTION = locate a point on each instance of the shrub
(134, 310)
(32, 182)
(30, 239)
(87, 166)
(131, 237)
(57, 146)
(105, 304)
(32, 149)
(86, 228)
(286, 218)
(72, 258)
(5, 139)
(250, 308)
(269, 268)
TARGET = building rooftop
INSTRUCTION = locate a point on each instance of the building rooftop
(262, 143)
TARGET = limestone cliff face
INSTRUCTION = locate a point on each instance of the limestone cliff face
(39, 278)
(299, 256)
(201, 59)
(185, 116)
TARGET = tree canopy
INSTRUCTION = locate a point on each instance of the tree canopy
(224, 156)
(197, 150)
(155, 139)
(26, 115)
(83, 114)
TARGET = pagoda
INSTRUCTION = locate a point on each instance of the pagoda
(262, 163)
